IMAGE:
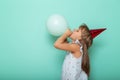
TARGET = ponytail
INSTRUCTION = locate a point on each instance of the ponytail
(85, 59)
(86, 40)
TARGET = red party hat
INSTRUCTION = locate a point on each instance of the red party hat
(96, 32)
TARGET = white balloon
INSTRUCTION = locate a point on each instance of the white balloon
(56, 25)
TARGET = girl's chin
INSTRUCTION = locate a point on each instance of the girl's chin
(71, 37)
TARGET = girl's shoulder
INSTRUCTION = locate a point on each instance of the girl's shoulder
(79, 51)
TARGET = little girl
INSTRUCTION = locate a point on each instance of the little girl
(76, 64)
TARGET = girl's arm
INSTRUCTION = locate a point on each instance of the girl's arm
(63, 45)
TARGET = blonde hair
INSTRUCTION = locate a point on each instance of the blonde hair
(86, 41)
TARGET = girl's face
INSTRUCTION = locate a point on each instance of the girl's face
(76, 34)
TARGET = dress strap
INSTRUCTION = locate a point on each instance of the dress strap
(81, 46)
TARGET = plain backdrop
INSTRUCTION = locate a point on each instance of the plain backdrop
(26, 47)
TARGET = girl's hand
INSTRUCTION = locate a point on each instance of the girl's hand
(68, 32)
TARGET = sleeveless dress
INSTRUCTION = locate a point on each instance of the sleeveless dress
(71, 69)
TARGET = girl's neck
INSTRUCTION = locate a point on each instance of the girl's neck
(73, 41)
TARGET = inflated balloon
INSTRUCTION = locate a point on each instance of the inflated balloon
(56, 25)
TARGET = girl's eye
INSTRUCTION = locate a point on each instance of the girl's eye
(75, 30)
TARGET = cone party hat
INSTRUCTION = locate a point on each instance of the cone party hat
(95, 32)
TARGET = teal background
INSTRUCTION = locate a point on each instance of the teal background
(26, 47)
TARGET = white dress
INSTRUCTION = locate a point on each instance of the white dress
(71, 69)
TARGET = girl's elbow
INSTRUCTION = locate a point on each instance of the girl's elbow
(56, 45)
